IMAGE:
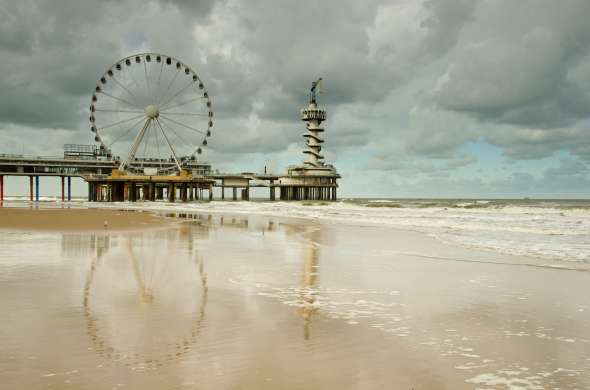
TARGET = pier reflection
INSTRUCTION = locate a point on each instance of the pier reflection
(145, 296)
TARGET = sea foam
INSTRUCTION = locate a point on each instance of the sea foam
(538, 230)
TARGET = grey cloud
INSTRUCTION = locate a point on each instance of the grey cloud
(517, 73)
(444, 21)
(438, 134)
(15, 31)
(407, 165)
(528, 144)
(197, 8)
(568, 167)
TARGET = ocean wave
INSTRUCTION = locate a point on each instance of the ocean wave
(543, 229)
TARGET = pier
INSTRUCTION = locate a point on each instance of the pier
(105, 184)
(155, 159)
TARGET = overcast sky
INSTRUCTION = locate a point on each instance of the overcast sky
(435, 98)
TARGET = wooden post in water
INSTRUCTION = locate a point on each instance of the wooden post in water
(36, 188)
(31, 188)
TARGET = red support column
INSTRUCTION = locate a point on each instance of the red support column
(31, 188)
(63, 197)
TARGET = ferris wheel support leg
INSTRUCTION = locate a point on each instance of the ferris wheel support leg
(31, 188)
(36, 188)
(134, 146)
(169, 145)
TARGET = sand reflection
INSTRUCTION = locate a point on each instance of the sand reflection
(145, 297)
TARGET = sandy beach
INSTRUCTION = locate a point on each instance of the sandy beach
(77, 219)
(223, 301)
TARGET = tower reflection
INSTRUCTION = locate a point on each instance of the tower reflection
(308, 292)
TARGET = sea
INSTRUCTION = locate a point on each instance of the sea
(554, 229)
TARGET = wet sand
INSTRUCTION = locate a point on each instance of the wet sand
(77, 219)
(222, 302)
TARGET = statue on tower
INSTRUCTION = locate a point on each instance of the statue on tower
(314, 85)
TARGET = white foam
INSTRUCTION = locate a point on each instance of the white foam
(531, 231)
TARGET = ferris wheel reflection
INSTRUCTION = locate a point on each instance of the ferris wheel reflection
(145, 297)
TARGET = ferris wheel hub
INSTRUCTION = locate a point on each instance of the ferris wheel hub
(152, 111)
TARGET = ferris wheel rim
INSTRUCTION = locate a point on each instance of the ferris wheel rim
(157, 114)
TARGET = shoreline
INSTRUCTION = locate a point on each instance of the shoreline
(158, 216)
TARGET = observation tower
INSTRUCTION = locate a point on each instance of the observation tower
(314, 179)
(314, 117)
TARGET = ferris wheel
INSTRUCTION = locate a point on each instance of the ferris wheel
(151, 110)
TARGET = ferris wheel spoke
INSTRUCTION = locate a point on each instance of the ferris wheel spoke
(119, 99)
(182, 124)
(121, 122)
(127, 111)
(126, 132)
(160, 75)
(124, 88)
(147, 82)
(169, 144)
(185, 102)
(184, 113)
(184, 142)
(170, 84)
(134, 82)
(177, 94)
